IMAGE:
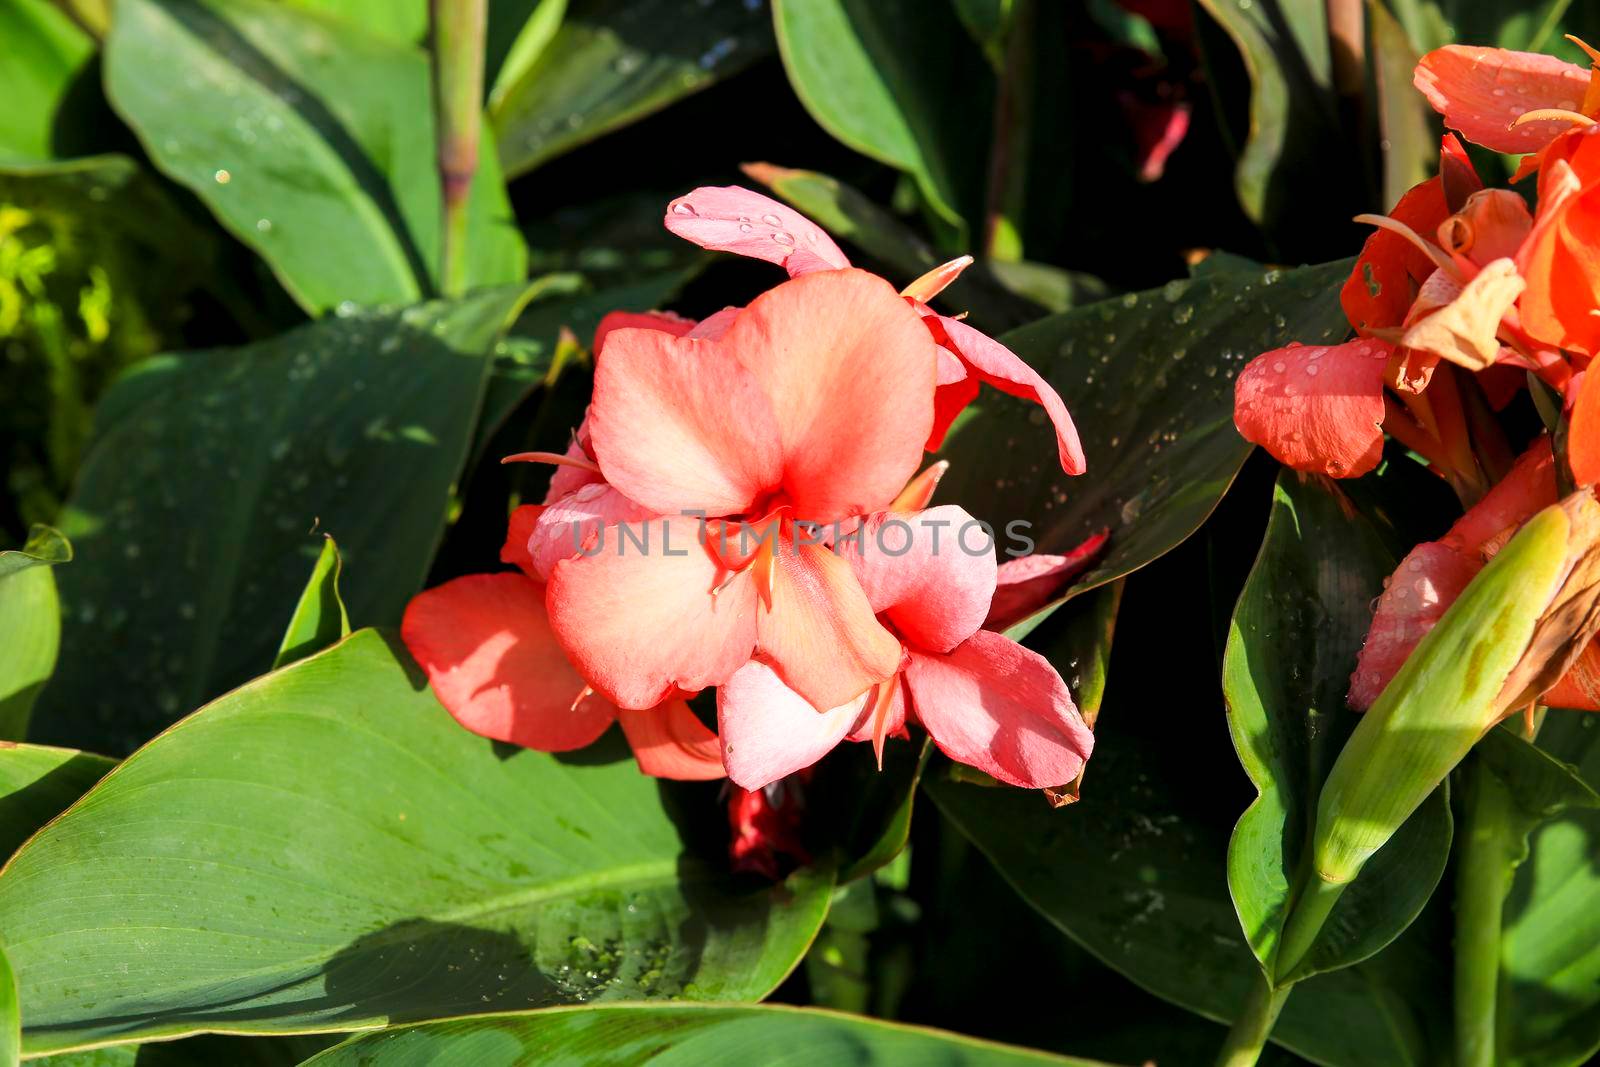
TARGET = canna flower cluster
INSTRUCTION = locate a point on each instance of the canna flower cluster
(1459, 297)
(741, 509)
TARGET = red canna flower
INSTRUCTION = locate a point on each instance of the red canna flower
(1514, 102)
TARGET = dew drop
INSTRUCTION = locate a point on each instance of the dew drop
(772, 220)
(222, 177)
(683, 207)
(783, 238)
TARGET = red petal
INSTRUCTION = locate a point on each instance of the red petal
(1025, 585)
(1481, 91)
(519, 529)
(1001, 708)
(733, 219)
(1422, 588)
(487, 648)
(667, 322)
(769, 731)
(1583, 432)
(670, 741)
(641, 626)
(1316, 408)
(565, 526)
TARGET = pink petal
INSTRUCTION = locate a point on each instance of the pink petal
(519, 528)
(769, 731)
(566, 478)
(1001, 708)
(930, 573)
(1422, 588)
(667, 322)
(1002, 368)
(713, 326)
(821, 636)
(567, 524)
(670, 741)
(1528, 487)
(894, 719)
(850, 370)
(1316, 408)
(485, 643)
(680, 425)
(1025, 585)
(1481, 91)
(642, 626)
(733, 219)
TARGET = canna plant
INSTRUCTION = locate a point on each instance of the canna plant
(508, 622)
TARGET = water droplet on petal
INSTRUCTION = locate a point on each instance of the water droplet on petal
(783, 238)
(772, 220)
(683, 207)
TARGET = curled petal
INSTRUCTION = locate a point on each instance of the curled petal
(670, 741)
(1421, 589)
(1002, 368)
(1001, 708)
(642, 625)
(563, 527)
(1561, 259)
(820, 635)
(1464, 330)
(1583, 431)
(1027, 584)
(930, 573)
(713, 326)
(681, 425)
(733, 219)
(893, 708)
(569, 476)
(1579, 688)
(1482, 91)
(1491, 225)
(670, 323)
(1316, 408)
(486, 646)
(769, 731)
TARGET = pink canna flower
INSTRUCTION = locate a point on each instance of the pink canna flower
(984, 700)
(733, 219)
(1514, 102)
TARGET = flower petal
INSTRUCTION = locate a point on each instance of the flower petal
(1579, 688)
(680, 425)
(1002, 368)
(820, 634)
(643, 625)
(1583, 431)
(733, 219)
(670, 741)
(1316, 408)
(1560, 259)
(894, 715)
(1481, 91)
(564, 526)
(849, 369)
(714, 325)
(1463, 331)
(485, 643)
(668, 322)
(1025, 585)
(1421, 590)
(931, 573)
(1001, 708)
(519, 529)
(769, 731)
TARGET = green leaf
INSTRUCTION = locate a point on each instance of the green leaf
(30, 625)
(1148, 378)
(1406, 121)
(10, 1020)
(882, 77)
(193, 512)
(46, 55)
(868, 810)
(311, 141)
(429, 873)
(1549, 996)
(613, 62)
(710, 1036)
(37, 783)
(320, 619)
(1291, 647)
(401, 21)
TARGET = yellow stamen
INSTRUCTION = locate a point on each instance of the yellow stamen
(934, 282)
(1432, 251)
(1551, 114)
(1594, 55)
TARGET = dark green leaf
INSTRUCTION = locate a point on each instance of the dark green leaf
(10, 1020)
(45, 55)
(320, 619)
(427, 874)
(895, 80)
(30, 625)
(615, 61)
(311, 141)
(868, 810)
(1149, 379)
(634, 1035)
(1405, 119)
(193, 515)
(38, 783)
(1291, 647)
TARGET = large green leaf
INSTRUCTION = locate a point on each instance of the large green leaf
(311, 141)
(1149, 379)
(896, 80)
(45, 55)
(1549, 1002)
(677, 1036)
(37, 783)
(422, 872)
(194, 513)
(30, 625)
(615, 61)
(1291, 647)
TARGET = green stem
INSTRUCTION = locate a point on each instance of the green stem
(1483, 878)
(458, 36)
(1250, 1031)
(1306, 919)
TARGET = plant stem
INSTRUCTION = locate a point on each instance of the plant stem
(458, 35)
(1008, 152)
(1250, 1031)
(1483, 877)
(90, 16)
(1305, 922)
